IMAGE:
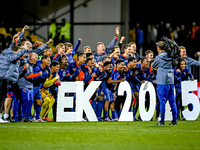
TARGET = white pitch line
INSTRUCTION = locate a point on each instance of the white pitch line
(70, 128)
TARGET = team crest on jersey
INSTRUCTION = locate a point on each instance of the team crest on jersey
(137, 72)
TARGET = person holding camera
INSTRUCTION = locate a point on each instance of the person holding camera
(165, 82)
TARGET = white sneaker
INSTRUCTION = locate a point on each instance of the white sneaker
(3, 121)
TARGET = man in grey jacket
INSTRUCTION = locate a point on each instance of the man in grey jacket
(25, 84)
(102, 51)
(190, 61)
(165, 82)
(9, 70)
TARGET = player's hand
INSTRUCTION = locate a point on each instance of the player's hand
(96, 65)
(93, 75)
(80, 40)
(198, 53)
(44, 96)
(125, 69)
(117, 31)
(89, 70)
(143, 81)
(40, 73)
(15, 37)
(122, 80)
(47, 71)
(122, 39)
(57, 77)
(114, 95)
(50, 41)
(25, 28)
(154, 81)
(100, 63)
(178, 70)
(26, 65)
(192, 79)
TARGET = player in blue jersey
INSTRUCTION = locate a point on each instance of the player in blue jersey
(127, 53)
(63, 72)
(181, 73)
(42, 65)
(50, 88)
(60, 49)
(133, 81)
(115, 55)
(70, 51)
(117, 74)
(141, 71)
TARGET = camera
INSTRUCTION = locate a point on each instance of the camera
(172, 50)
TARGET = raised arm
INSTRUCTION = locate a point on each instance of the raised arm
(113, 42)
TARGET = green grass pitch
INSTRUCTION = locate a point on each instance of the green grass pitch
(100, 135)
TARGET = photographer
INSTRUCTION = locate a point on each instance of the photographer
(165, 82)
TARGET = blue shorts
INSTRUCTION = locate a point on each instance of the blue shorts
(37, 93)
(135, 88)
(108, 95)
(10, 94)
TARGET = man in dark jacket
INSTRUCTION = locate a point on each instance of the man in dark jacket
(133, 51)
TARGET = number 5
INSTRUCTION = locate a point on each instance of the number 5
(190, 98)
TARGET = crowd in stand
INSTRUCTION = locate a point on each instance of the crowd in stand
(146, 36)
(30, 76)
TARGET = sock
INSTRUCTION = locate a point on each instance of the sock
(0, 115)
(106, 114)
(119, 113)
(44, 107)
(6, 116)
(94, 106)
(129, 109)
(100, 108)
(133, 112)
(114, 114)
(37, 110)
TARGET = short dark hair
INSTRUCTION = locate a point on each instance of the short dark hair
(113, 49)
(107, 63)
(119, 61)
(179, 62)
(80, 54)
(104, 58)
(47, 48)
(60, 58)
(126, 46)
(88, 59)
(23, 41)
(143, 59)
(54, 63)
(45, 57)
(89, 54)
(15, 48)
(131, 59)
